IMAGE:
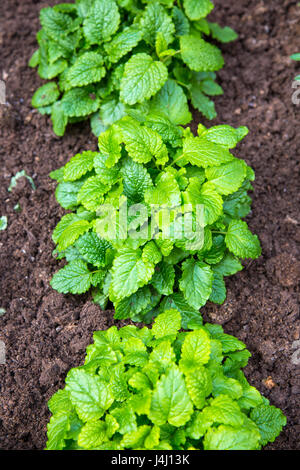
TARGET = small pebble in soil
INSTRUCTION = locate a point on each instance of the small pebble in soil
(269, 383)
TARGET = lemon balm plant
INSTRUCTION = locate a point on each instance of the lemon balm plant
(161, 389)
(109, 55)
(156, 212)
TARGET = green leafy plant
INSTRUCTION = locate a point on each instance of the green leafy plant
(149, 164)
(109, 55)
(161, 389)
(297, 58)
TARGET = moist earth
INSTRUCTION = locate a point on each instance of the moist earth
(46, 333)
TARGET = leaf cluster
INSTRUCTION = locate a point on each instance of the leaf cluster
(162, 389)
(109, 55)
(150, 163)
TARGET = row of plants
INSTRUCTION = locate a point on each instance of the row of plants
(111, 56)
(155, 224)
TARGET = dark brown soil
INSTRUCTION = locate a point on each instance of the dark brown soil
(46, 333)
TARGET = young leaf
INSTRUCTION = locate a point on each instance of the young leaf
(75, 278)
(129, 273)
(156, 20)
(45, 95)
(241, 242)
(143, 77)
(199, 55)
(196, 10)
(123, 43)
(86, 69)
(102, 21)
(79, 165)
(170, 401)
(196, 282)
(79, 102)
(172, 101)
(59, 119)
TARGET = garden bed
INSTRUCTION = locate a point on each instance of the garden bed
(46, 333)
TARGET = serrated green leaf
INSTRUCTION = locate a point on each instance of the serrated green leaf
(79, 165)
(223, 385)
(250, 398)
(203, 153)
(172, 102)
(123, 43)
(35, 59)
(135, 439)
(222, 34)
(169, 132)
(170, 400)
(66, 193)
(199, 385)
(196, 9)
(269, 420)
(71, 233)
(202, 103)
(59, 119)
(56, 24)
(60, 403)
(101, 22)
(156, 20)
(199, 55)
(111, 111)
(143, 77)
(136, 180)
(45, 95)
(206, 195)
(126, 419)
(230, 438)
(109, 145)
(227, 178)
(196, 282)
(152, 440)
(57, 431)
(75, 278)
(129, 273)
(181, 23)
(92, 248)
(88, 68)
(79, 102)
(166, 191)
(90, 394)
(49, 71)
(91, 193)
(107, 175)
(211, 88)
(241, 242)
(163, 278)
(224, 410)
(188, 313)
(218, 293)
(226, 135)
(195, 351)
(166, 324)
(142, 144)
(92, 435)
